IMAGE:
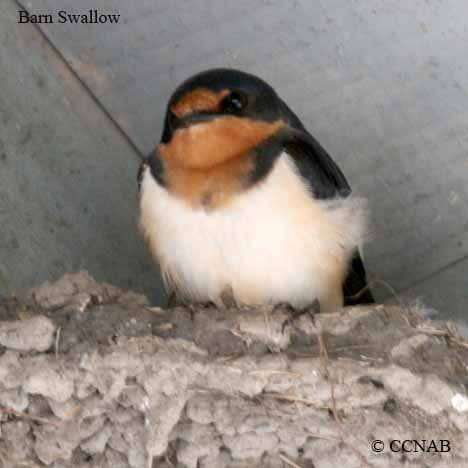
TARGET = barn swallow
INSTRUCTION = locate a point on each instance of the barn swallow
(239, 198)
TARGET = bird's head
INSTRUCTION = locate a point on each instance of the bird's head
(219, 115)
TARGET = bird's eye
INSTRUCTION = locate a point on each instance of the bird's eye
(233, 103)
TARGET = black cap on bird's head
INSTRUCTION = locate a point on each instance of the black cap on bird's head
(224, 92)
(224, 130)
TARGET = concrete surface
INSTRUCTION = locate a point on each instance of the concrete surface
(383, 85)
(67, 177)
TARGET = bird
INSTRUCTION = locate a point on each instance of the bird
(239, 203)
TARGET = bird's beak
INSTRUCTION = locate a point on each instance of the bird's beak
(195, 119)
(174, 123)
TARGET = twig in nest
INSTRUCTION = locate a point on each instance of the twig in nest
(444, 333)
(231, 357)
(356, 346)
(324, 361)
(432, 331)
(57, 342)
(155, 310)
(277, 372)
(336, 416)
(295, 399)
(20, 414)
(459, 342)
(289, 462)
(323, 436)
(237, 334)
(383, 283)
(26, 465)
(165, 327)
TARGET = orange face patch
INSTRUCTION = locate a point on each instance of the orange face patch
(206, 164)
(199, 100)
(212, 187)
(208, 144)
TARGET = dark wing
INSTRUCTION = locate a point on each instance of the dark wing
(153, 161)
(356, 289)
(315, 165)
(326, 180)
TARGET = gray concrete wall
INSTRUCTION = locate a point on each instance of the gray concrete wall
(383, 85)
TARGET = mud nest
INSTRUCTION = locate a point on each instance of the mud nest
(92, 376)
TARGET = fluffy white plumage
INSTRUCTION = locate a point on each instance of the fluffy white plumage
(272, 243)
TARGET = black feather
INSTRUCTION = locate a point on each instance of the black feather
(324, 177)
(153, 161)
(141, 170)
(356, 289)
(326, 181)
